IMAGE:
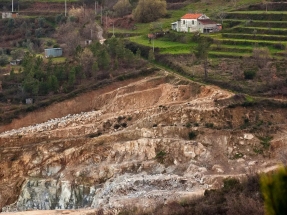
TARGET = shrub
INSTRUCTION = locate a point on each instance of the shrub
(160, 156)
(149, 10)
(192, 135)
(116, 126)
(249, 74)
(265, 141)
(209, 125)
(92, 135)
(3, 60)
(274, 189)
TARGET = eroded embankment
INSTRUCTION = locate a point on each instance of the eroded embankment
(145, 142)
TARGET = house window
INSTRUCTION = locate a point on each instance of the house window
(193, 22)
(183, 22)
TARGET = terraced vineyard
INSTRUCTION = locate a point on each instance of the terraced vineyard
(247, 29)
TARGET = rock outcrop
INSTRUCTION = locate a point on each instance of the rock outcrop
(151, 141)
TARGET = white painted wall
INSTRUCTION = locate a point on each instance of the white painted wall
(188, 25)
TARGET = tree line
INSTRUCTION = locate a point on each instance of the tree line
(95, 62)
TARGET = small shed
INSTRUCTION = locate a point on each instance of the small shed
(53, 52)
(176, 25)
(15, 62)
(29, 101)
(9, 15)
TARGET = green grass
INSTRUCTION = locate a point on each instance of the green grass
(176, 50)
(237, 47)
(266, 37)
(262, 21)
(166, 47)
(267, 28)
(242, 41)
(257, 30)
(242, 48)
(227, 54)
(58, 60)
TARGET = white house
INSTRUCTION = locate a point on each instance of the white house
(193, 22)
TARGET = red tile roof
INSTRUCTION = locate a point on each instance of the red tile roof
(191, 16)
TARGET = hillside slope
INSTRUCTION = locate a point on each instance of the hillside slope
(154, 140)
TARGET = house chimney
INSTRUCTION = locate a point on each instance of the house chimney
(12, 6)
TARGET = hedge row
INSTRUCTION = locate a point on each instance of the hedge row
(268, 24)
(258, 16)
(255, 37)
(144, 49)
(278, 45)
(251, 30)
(274, 6)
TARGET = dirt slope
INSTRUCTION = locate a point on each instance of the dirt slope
(139, 142)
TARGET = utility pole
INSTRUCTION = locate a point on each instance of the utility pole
(65, 7)
(106, 19)
(95, 7)
(153, 44)
(91, 34)
(113, 30)
(101, 15)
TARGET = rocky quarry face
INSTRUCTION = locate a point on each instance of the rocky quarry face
(135, 143)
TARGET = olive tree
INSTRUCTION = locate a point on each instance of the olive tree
(149, 10)
(122, 7)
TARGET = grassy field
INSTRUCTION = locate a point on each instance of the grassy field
(165, 47)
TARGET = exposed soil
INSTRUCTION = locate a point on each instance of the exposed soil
(139, 142)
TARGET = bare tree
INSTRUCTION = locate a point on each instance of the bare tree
(283, 156)
(234, 2)
(201, 53)
(68, 35)
(261, 55)
(221, 15)
(87, 60)
(72, 41)
(266, 4)
(237, 73)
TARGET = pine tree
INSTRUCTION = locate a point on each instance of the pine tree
(151, 55)
(72, 77)
(104, 59)
(138, 53)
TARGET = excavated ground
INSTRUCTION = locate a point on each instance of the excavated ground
(135, 143)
